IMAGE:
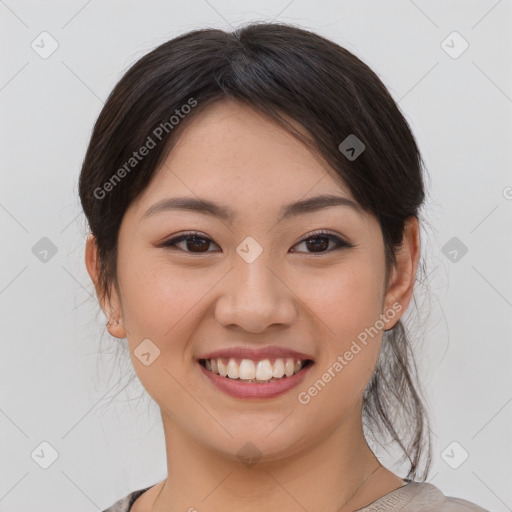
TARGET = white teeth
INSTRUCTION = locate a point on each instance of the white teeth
(222, 368)
(289, 367)
(263, 370)
(232, 369)
(254, 371)
(247, 370)
(278, 369)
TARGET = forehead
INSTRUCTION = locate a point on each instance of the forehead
(231, 153)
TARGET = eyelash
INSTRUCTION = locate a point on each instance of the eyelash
(340, 243)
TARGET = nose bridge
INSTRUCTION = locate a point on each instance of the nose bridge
(256, 296)
(255, 280)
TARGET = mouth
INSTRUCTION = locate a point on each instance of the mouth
(252, 371)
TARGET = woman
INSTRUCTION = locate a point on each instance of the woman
(253, 199)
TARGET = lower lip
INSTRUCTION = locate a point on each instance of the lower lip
(240, 389)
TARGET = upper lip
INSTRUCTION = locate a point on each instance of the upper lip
(256, 354)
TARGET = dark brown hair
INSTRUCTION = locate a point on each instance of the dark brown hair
(279, 70)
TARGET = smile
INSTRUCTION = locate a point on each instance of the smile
(255, 379)
(247, 370)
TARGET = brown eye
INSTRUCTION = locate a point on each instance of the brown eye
(319, 243)
(193, 243)
(315, 243)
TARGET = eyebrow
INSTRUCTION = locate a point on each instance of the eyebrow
(207, 207)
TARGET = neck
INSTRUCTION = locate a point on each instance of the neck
(318, 478)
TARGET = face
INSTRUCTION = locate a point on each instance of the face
(254, 285)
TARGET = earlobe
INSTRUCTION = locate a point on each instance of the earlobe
(403, 276)
(114, 324)
(115, 328)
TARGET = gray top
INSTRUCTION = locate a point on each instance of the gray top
(412, 497)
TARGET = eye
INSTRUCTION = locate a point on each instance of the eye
(198, 243)
(321, 240)
(194, 242)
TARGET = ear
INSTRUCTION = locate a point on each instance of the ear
(400, 286)
(112, 307)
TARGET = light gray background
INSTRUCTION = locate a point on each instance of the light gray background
(53, 387)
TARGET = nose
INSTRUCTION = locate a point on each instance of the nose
(255, 297)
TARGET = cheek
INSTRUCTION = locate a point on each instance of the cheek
(155, 295)
(347, 299)
(160, 305)
(346, 305)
